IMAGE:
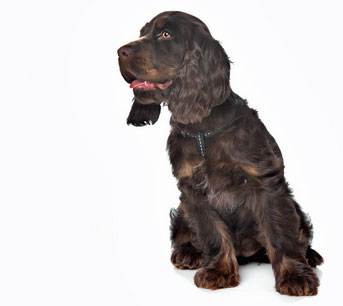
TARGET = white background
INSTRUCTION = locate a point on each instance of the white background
(84, 198)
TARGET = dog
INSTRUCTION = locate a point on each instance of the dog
(235, 204)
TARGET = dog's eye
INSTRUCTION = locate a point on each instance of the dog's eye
(165, 35)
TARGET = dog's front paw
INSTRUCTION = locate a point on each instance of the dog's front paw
(186, 257)
(298, 281)
(213, 279)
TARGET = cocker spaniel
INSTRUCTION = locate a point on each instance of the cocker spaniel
(235, 204)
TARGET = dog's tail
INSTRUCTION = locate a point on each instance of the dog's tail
(313, 258)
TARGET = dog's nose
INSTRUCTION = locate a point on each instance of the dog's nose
(125, 52)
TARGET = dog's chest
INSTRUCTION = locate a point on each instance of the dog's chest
(217, 176)
(223, 183)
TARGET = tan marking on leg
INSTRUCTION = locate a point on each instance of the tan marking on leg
(223, 271)
(228, 262)
(285, 265)
(269, 248)
(183, 237)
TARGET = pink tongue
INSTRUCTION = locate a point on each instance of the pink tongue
(140, 84)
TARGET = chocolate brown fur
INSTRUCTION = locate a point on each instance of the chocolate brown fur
(236, 205)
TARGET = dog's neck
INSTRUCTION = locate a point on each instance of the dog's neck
(220, 116)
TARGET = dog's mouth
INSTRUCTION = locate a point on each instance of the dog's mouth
(146, 85)
(137, 84)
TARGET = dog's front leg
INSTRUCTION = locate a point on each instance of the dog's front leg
(185, 255)
(219, 268)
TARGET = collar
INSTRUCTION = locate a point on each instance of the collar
(200, 136)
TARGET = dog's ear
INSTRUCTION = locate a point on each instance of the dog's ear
(202, 83)
(143, 114)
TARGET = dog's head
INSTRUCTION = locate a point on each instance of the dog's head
(175, 61)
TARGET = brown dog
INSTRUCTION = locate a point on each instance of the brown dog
(236, 205)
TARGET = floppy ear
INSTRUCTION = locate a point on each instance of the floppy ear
(202, 83)
(143, 114)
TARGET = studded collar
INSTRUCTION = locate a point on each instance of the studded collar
(201, 136)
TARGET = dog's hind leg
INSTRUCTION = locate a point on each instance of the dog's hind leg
(313, 257)
(287, 245)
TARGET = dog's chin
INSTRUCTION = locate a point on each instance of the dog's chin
(149, 96)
